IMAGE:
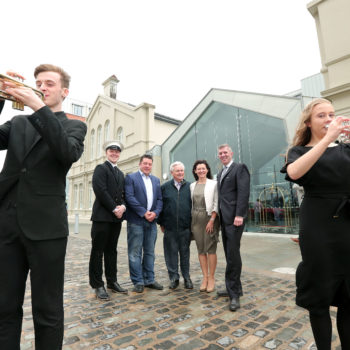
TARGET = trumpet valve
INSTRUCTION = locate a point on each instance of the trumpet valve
(18, 105)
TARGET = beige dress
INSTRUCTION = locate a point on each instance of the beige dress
(206, 242)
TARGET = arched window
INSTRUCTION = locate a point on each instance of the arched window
(81, 196)
(75, 197)
(92, 144)
(91, 195)
(120, 135)
(99, 135)
(106, 135)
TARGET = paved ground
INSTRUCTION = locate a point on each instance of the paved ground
(185, 319)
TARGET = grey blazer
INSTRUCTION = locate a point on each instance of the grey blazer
(233, 192)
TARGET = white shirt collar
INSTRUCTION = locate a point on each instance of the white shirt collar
(229, 164)
(113, 165)
(144, 175)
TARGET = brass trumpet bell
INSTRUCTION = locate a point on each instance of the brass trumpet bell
(16, 104)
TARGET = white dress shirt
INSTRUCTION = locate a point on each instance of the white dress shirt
(149, 189)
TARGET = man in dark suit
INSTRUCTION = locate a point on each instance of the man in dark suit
(41, 148)
(107, 217)
(233, 192)
(144, 203)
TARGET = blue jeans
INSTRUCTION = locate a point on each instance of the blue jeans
(141, 241)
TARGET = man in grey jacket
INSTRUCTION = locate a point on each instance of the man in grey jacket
(233, 191)
(175, 223)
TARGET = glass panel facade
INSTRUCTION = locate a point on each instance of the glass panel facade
(259, 141)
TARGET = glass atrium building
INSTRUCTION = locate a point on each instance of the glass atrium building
(259, 129)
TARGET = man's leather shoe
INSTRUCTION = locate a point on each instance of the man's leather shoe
(138, 288)
(154, 285)
(116, 288)
(174, 284)
(234, 304)
(188, 283)
(222, 293)
(101, 293)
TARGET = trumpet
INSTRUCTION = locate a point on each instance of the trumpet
(16, 104)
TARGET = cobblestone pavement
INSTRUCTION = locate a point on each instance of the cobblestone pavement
(177, 319)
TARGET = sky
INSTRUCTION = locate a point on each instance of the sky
(167, 53)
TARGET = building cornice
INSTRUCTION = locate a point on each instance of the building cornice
(166, 119)
(337, 60)
(336, 90)
(111, 78)
(313, 6)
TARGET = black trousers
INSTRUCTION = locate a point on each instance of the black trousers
(104, 240)
(231, 239)
(175, 244)
(45, 261)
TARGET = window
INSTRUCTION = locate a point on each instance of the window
(106, 135)
(99, 146)
(258, 140)
(81, 196)
(113, 90)
(92, 144)
(77, 109)
(75, 197)
(120, 134)
(91, 195)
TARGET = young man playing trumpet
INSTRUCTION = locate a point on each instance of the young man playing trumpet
(41, 148)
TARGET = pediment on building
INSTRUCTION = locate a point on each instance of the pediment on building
(103, 101)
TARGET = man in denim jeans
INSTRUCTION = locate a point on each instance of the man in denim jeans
(144, 204)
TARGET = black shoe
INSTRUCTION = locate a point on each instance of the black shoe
(116, 288)
(188, 283)
(154, 285)
(138, 288)
(234, 304)
(101, 293)
(174, 284)
(222, 293)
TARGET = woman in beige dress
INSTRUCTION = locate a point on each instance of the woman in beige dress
(205, 222)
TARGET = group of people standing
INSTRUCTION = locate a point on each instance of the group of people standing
(41, 148)
(184, 211)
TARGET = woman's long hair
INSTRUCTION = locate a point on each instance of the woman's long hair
(303, 133)
(209, 176)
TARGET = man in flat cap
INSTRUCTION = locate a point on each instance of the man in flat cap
(107, 217)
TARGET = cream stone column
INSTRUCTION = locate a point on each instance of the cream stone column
(332, 23)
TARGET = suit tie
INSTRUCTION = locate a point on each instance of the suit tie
(224, 171)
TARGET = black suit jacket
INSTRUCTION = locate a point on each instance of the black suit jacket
(108, 186)
(233, 192)
(41, 148)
